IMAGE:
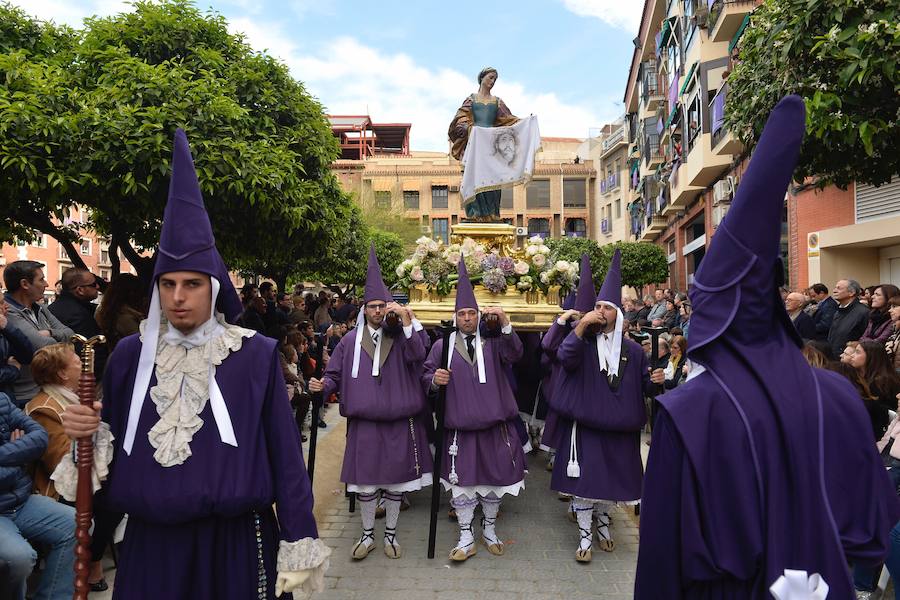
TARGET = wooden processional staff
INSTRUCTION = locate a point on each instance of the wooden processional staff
(87, 394)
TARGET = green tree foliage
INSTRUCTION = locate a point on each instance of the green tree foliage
(842, 57)
(89, 117)
(643, 263)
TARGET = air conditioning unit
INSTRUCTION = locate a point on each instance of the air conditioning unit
(454, 188)
(425, 229)
(719, 213)
(722, 191)
(521, 232)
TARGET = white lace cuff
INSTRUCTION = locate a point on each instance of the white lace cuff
(65, 476)
(306, 554)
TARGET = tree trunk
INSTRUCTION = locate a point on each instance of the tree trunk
(280, 280)
(114, 256)
(44, 224)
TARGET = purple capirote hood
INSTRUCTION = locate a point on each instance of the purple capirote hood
(186, 242)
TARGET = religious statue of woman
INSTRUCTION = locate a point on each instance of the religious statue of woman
(484, 110)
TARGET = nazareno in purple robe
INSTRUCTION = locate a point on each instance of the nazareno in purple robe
(760, 463)
(610, 421)
(191, 530)
(482, 415)
(386, 437)
(549, 346)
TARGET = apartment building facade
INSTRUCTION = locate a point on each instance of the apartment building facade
(683, 163)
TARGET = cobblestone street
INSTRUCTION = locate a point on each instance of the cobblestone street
(539, 563)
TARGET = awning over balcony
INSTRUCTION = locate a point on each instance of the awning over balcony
(687, 79)
(739, 33)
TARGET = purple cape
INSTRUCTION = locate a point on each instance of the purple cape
(761, 463)
(193, 523)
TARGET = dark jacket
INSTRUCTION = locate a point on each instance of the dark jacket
(823, 316)
(78, 316)
(848, 325)
(12, 343)
(805, 326)
(15, 484)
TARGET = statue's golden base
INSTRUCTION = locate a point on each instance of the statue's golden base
(527, 311)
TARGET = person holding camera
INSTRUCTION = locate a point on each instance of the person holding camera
(375, 369)
(600, 400)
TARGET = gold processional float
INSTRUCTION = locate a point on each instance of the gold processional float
(524, 282)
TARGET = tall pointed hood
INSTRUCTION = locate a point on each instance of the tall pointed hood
(611, 290)
(736, 286)
(465, 295)
(375, 288)
(587, 295)
(186, 242)
(569, 302)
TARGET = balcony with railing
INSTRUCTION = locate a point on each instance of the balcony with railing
(652, 152)
(613, 141)
(723, 142)
(610, 183)
(653, 89)
(726, 16)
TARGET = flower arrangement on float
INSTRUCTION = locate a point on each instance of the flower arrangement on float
(433, 267)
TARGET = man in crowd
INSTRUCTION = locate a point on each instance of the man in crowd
(803, 323)
(786, 521)
(482, 454)
(27, 518)
(25, 286)
(825, 309)
(600, 400)
(850, 318)
(298, 310)
(343, 310)
(376, 367)
(204, 440)
(658, 309)
(322, 316)
(252, 316)
(75, 308)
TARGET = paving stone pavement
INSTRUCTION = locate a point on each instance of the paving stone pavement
(539, 563)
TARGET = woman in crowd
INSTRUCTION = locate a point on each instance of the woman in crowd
(880, 326)
(56, 368)
(670, 317)
(122, 308)
(873, 365)
(814, 355)
(685, 321)
(847, 355)
(892, 343)
(889, 448)
(677, 360)
(878, 413)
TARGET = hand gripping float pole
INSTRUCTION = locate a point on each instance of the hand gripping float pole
(87, 394)
(439, 407)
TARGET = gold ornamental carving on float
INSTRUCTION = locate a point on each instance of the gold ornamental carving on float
(531, 310)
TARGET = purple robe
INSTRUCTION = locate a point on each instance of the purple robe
(386, 437)
(481, 415)
(550, 345)
(191, 531)
(609, 421)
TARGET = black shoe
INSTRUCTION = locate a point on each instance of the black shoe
(322, 424)
(99, 586)
(303, 437)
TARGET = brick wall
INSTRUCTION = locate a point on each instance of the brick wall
(815, 210)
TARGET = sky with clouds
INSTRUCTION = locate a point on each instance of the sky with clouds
(565, 61)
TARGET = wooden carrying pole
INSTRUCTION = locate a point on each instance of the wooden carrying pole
(439, 406)
(87, 394)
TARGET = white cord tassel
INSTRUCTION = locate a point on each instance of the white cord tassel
(573, 469)
(453, 450)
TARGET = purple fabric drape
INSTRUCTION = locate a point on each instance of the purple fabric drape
(718, 110)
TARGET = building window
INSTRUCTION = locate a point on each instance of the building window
(61, 253)
(694, 121)
(537, 194)
(506, 198)
(105, 274)
(383, 200)
(439, 194)
(411, 200)
(618, 209)
(86, 247)
(574, 193)
(439, 230)
(539, 227)
(576, 228)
